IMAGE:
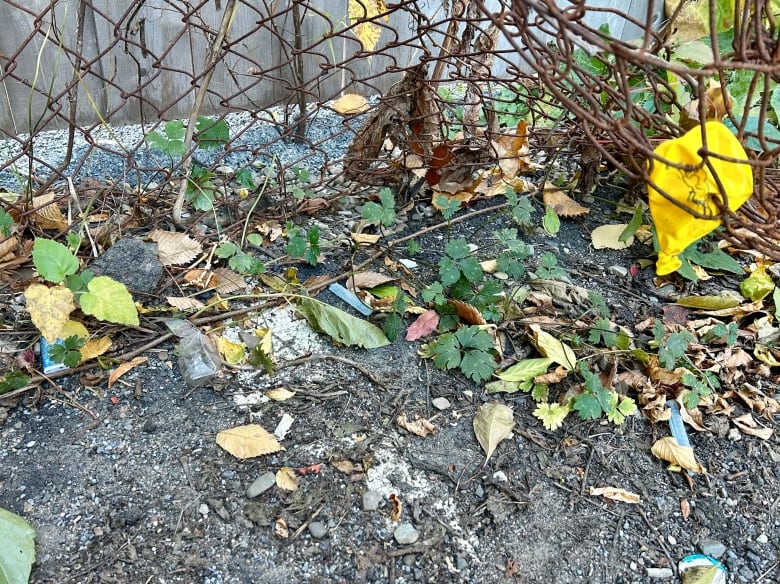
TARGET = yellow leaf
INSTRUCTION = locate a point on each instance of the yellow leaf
(365, 238)
(286, 479)
(248, 441)
(124, 368)
(95, 347)
(74, 328)
(552, 348)
(747, 425)
(608, 236)
(360, 11)
(232, 352)
(697, 189)
(350, 103)
(49, 309)
(47, 214)
(279, 394)
(669, 450)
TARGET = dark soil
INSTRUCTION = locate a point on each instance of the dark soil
(128, 484)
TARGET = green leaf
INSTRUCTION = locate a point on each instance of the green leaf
(710, 302)
(674, 348)
(109, 300)
(633, 225)
(499, 386)
(175, 130)
(471, 269)
(342, 327)
(478, 365)
(392, 326)
(211, 133)
(13, 380)
(588, 406)
(6, 223)
(53, 260)
(449, 272)
(540, 391)
(226, 249)
(525, 370)
(713, 259)
(550, 222)
(552, 415)
(446, 352)
(384, 211)
(241, 262)
(17, 548)
(757, 285)
(457, 249)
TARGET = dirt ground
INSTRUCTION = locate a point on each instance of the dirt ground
(128, 484)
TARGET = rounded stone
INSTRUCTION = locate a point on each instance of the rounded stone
(261, 484)
(372, 500)
(318, 529)
(406, 534)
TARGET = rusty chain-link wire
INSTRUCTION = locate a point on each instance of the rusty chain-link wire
(87, 68)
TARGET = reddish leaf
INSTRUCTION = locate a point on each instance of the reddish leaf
(425, 324)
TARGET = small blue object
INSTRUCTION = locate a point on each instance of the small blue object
(49, 364)
(676, 424)
(702, 561)
(350, 298)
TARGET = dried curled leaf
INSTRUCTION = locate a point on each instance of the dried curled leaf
(669, 450)
(286, 479)
(563, 204)
(615, 494)
(350, 103)
(175, 248)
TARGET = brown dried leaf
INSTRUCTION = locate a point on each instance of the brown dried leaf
(95, 347)
(467, 313)
(280, 529)
(47, 214)
(615, 494)
(419, 427)
(228, 281)
(346, 466)
(669, 450)
(124, 368)
(184, 302)
(8, 247)
(747, 425)
(365, 238)
(563, 204)
(367, 280)
(248, 441)
(175, 248)
(395, 513)
(556, 376)
(279, 394)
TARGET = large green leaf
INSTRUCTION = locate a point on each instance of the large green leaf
(108, 300)
(53, 260)
(342, 327)
(17, 548)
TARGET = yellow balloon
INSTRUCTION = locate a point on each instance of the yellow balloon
(696, 189)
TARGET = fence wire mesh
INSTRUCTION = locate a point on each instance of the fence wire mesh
(458, 92)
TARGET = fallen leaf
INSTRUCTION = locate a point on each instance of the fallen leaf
(280, 529)
(286, 479)
(669, 450)
(248, 441)
(467, 313)
(8, 247)
(346, 466)
(124, 368)
(608, 237)
(279, 394)
(395, 512)
(184, 302)
(492, 424)
(685, 508)
(350, 103)
(425, 324)
(615, 494)
(234, 353)
(175, 248)
(47, 214)
(365, 238)
(367, 280)
(552, 348)
(49, 309)
(708, 302)
(747, 425)
(344, 328)
(419, 427)
(563, 204)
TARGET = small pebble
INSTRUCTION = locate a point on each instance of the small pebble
(711, 547)
(318, 529)
(405, 534)
(762, 538)
(619, 271)
(261, 484)
(500, 476)
(371, 500)
(660, 573)
(441, 403)
(411, 264)
(203, 509)
(672, 540)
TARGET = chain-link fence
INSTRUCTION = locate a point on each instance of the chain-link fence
(452, 87)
